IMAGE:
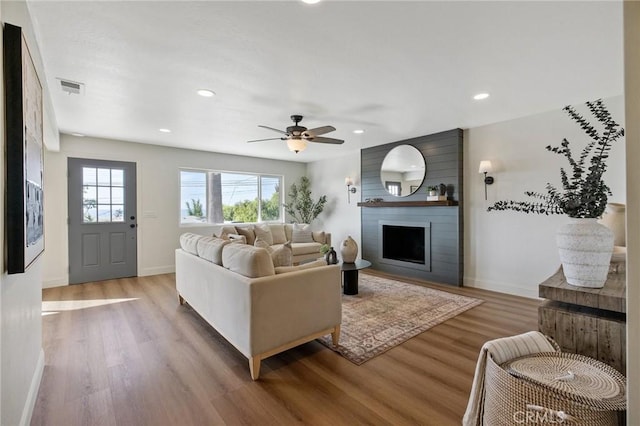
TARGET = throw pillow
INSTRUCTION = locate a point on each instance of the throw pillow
(282, 256)
(224, 231)
(301, 234)
(248, 234)
(237, 238)
(259, 242)
(277, 232)
(263, 232)
(319, 237)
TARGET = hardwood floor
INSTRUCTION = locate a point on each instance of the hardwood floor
(124, 352)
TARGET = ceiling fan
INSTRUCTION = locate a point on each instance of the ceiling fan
(297, 136)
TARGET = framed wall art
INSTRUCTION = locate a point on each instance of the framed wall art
(24, 153)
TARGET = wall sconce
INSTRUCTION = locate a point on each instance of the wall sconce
(485, 167)
(350, 188)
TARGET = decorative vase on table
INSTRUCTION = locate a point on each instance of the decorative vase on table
(349, 250)
(614, 219)
(585, 248)
(331, 257)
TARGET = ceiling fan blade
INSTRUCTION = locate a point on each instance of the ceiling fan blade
(270, 139)
(322, 139)
(275, 130)
(319, 131)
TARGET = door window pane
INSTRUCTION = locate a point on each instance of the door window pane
(117, 213)
(104, 213)
(117, 177)
(89, 175)
(117, 195)
(104, 177)
(104, 195)
(90, 213)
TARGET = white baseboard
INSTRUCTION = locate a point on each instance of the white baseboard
(523, 291)
(32, 396)
(55, 282)
(157, 270)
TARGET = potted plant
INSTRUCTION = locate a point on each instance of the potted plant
(433, 190)
(585, 245)
(301, 206)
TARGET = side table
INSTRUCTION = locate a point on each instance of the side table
(587, 321)
(350, 275)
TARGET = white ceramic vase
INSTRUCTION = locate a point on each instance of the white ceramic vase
(614, 218)
(349, 250)
(585, 248)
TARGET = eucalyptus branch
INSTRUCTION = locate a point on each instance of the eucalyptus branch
(584, 193)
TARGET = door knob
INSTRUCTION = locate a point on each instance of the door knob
(133, 225)
(132, 217)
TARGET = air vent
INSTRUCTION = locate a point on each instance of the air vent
(71, 87)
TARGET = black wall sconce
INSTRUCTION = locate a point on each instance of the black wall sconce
(350, 188)
(485, 167)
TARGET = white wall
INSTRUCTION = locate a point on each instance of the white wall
(21, 355)
(632, 98)
(513, 252)
(158, 196)
(339, 217)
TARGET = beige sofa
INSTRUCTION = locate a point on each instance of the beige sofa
(305, 245)
(259, 309)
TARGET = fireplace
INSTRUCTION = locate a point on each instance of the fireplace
(406, 244)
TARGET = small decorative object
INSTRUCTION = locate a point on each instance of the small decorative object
(324, 249)
(614, 219)
(583, 198)
(349, 250)
(331, 257)
(436, 192)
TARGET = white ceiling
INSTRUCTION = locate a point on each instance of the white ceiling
(395, 69)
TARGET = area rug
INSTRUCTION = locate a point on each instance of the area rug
(386, 313)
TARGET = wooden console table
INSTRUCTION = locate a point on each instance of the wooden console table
(587, 321)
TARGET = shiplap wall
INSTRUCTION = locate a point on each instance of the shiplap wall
(443, 156)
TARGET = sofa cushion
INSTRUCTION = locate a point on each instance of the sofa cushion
(302, 267)
(246, 260)
(210, 248)
(319, 237)
(305, 248)
(282, 256)
(247, 233)
(301, 234)
(278, 234)
(189, 242)
(264, 232)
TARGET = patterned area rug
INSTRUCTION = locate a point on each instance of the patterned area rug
(386, 313)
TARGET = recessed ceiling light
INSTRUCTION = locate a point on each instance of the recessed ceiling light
(205, 93)
(79, 135)
(358, 131)
(164, 130)
(311, 1)
(481, 96)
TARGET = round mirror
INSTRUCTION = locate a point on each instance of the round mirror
(402, 170)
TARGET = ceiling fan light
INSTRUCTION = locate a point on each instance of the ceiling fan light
(297, 145)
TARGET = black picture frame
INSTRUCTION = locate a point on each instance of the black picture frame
(24, 153)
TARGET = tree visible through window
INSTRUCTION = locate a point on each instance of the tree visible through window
(216, 197)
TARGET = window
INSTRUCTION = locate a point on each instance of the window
(102, 195)
(216, 197)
